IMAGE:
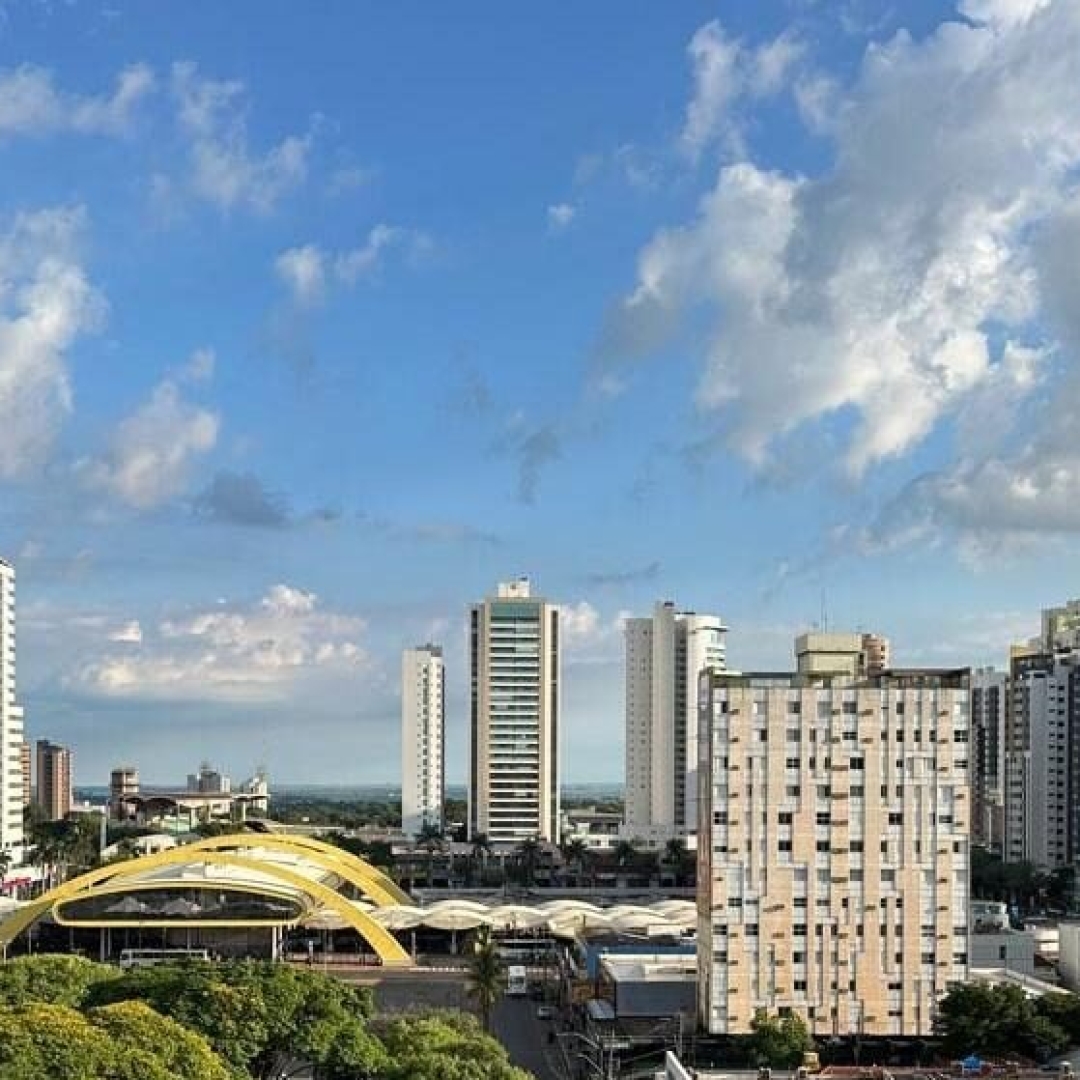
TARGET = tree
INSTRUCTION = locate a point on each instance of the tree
(779, 1041)
(259, 1017)
(481, 849)
(485, 974)
(443, 1046)
(528, 855)
(996, 1021)
(575, 852)
(675, 856)
(124, 1042)
(624, 853)
(50, 980)
(5, 866)
(136, 1029)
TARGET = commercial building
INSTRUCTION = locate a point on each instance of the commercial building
(665, 653)
(423, 739)
(833, 857)
(12, 793)
(53, 790)
(989, 708)
(514, 716)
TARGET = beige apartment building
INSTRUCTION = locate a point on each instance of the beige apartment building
(833, 858)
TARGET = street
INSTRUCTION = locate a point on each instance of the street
(525, 1038)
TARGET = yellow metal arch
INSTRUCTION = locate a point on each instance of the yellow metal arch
(386, 946)
(382, 890)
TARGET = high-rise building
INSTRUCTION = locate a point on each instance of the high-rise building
(53, 789)
(423, 745)
(27, 772)
(11, 725)
(989, 703)
(833, 856)
(664, 656)
(1042, 760)
(514, 716)
(1060, 627)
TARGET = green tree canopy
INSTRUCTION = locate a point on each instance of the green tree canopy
(443, 1046)
(50, 980)
(996, 1021)
(121, 1042)
(779, 1041)
(255, 1014)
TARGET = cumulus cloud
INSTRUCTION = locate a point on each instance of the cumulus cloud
(308, 270)
(725, 71)
(892, 293)
(242, 653)
(46, 305)
(241, 499)
(225, 170)
(587, 636)
(151, 452)
(560, 215)
(31, 104)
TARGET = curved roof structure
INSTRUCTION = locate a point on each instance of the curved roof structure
(242, 880)
(564, 918)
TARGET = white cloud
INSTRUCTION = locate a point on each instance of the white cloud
(46, 305)
(242, 653)
(560, 215)
(200, 366)
(224, 169)
(887, 295)
(308, 271)
(726, 70)
(30, 103)
(151, 451)
(587, 636)
(303, 270)
(130, 633)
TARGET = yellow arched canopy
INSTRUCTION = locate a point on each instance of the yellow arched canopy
(216, 852)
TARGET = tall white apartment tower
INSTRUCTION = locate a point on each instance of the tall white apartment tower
(665, 654)
(11, 725)
(514, 716)
(423, 743)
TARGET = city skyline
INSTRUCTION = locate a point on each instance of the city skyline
(305, 345)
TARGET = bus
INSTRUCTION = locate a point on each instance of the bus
(133, 958)
(517, 981)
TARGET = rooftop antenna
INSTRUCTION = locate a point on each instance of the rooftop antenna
(824, 613)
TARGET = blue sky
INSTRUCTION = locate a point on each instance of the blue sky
(315, 324)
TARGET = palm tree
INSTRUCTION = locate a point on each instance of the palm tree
(431, 840)
(485, 974)
(481, 849)
(528, 853)
(625, 853)
(675, 856)
(575, 851)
